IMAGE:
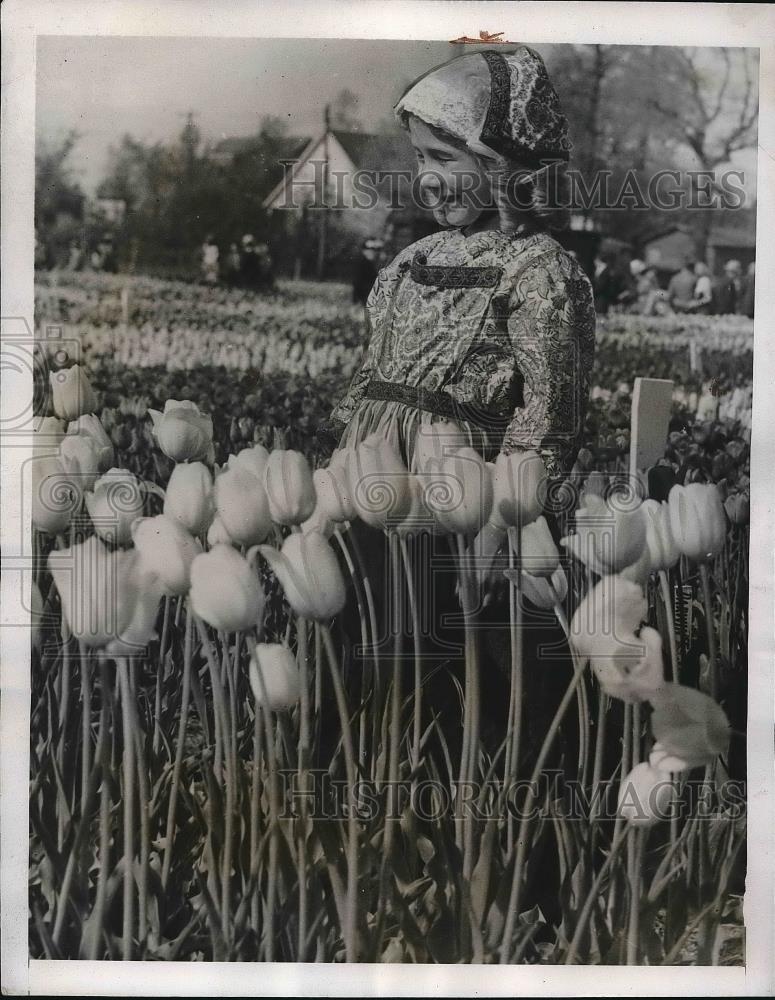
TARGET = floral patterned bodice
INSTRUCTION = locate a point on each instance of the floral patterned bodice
(502, 322)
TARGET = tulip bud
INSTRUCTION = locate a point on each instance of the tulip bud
(487, 545)
(607, 539)
(89, 426)
(436, 441)
(419, 517)
(274, 676)
(689, 725)
(289, 487)
(121, 436)
(608, 617)
(115, 503)
(333, 493)
(72, 394)
(663, 550)
(140, 627)
(661, 760)
(49, 432)
(738, 508)
(309, 574)
(225, 591)
(56, 496)
(97, 589)
(379, 482)
(544, 594)
(645, 796)
(167, 550)
(697, 520)
(460, 495)
(519, 486)
(36, 614)
(189, 497)
(183, 433)
(243, 507)
(252, 460)
(80, 456)
(538, 553)
(633, 669)
(217, 533)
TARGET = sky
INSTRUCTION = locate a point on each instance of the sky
(106, 86)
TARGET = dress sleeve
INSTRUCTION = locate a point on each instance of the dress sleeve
(348, 404)
(551, 325)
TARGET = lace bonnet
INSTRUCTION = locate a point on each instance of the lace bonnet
(499, 104)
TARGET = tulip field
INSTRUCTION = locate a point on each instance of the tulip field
(247, 741)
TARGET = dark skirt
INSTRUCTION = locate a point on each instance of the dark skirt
(547, 665)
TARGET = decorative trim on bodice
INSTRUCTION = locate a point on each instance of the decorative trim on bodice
(452, 276)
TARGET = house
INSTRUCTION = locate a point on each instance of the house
(345, 187)
(726, 244)
(112, 210)
(671, 248)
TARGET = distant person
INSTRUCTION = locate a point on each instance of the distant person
(264, 268)
(607, 283)
(210, 254)
(702, 301)
(366, 267)
(729, 289)
(233, 270)
(747, 298)
(646, 290)
(680, 289)
(249, 262)
(75, 257)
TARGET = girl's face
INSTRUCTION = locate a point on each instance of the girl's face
(452, 181)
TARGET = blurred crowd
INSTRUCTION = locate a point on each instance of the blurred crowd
(691, 289)
(247, 265)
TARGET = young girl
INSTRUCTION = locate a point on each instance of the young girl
(489, 322)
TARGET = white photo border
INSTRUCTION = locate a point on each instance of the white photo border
(697, 24)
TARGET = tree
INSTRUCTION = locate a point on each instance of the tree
(59, 201)
(707, 100)
(343, 112)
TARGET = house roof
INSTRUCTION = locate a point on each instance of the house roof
(376, 152)
(366, 151)
(726, 237)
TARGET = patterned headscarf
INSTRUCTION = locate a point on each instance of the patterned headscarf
(497, 103)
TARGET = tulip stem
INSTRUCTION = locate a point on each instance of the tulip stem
(223, 719)
(159, 676)
(64, 712)
(303, 764)
(597, 769)
(709, 630)
(511, 765)
(625, 770)
(364, 639)
(349, 929)
(532, 793)
(593, 895)
(105, 803)
(417, 707)
(142, 791)
(635, 845)
(122, 669)
(375, 639)
(395, 702)
(664, 586)
(255, 792)
(178, 765)
(85, 721)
